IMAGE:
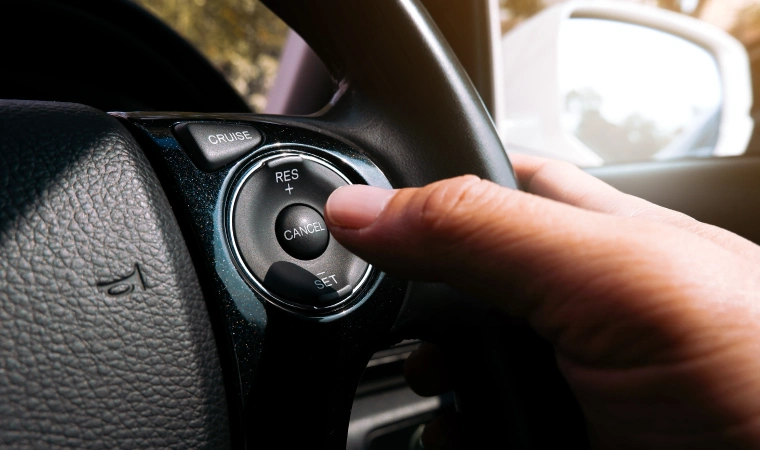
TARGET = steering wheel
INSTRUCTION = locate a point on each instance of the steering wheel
(146, 303)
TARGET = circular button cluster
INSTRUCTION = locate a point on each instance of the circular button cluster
(279, 233)
(301, 231)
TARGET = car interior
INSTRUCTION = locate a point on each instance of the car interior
(144, 299)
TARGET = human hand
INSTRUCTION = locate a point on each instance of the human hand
(653, 315)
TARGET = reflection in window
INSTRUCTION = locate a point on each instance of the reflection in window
(634, 138)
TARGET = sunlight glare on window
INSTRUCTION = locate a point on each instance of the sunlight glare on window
(636, 84)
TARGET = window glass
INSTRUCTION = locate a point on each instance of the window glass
(242, 38)
(629, 93)
(741, 18)
(639, 93)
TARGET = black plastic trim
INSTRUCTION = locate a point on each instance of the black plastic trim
(280, 368)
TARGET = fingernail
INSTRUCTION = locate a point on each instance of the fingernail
(356, 206)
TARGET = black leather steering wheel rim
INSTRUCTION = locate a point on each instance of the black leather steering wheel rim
(411, 106)
(404, 116)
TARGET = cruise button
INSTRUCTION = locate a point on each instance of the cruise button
(302, 232)
(212, 146)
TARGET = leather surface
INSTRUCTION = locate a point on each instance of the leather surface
(79, 367)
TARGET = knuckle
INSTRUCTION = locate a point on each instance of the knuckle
(548, 171)
(447, 204)
(553, 169)
(564, 166)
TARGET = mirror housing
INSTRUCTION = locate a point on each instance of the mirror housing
(530, 108)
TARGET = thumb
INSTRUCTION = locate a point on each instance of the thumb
(645, 316)
(499, 244)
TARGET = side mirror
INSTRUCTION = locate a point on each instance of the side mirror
(599, 82)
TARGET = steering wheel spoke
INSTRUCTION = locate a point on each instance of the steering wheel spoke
(290, 361)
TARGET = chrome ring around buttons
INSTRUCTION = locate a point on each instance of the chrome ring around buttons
(257, 286)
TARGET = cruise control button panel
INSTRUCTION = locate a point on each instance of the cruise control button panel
(280, 236)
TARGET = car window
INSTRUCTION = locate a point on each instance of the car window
(741, 18)
(726, 14)
(639, 94)
(242, 38)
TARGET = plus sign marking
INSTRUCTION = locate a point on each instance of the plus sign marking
(285, 177)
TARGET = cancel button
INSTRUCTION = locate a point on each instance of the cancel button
(301, 232)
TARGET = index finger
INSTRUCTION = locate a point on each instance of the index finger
(566, 183)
